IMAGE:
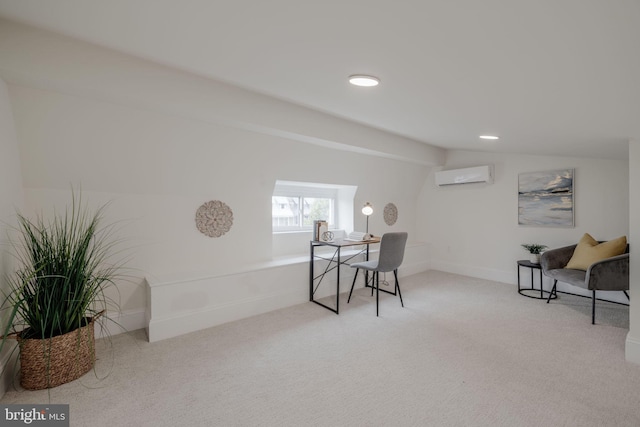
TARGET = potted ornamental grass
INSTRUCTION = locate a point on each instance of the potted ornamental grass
(57, 293)
(534, 250)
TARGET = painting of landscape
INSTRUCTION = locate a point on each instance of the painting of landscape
(546, 198)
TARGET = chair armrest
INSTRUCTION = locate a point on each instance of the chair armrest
(556, 258)
(611, 274)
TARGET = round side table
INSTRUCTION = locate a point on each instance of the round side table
(529, 293)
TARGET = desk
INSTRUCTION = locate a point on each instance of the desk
(334, 263)
(532, 266)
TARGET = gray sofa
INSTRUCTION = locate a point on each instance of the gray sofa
(611, 274)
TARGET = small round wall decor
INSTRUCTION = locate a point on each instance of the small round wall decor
(390, 214)
(214, 218)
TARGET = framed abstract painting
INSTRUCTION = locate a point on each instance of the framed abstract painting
(546, 198)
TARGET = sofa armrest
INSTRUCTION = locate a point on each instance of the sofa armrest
(611, 274)
(556, 258)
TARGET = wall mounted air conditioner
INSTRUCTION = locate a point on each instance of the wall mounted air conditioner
(465, 176)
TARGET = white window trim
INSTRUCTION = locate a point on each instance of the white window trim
(343, 196)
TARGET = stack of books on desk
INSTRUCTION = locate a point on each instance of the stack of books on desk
(357, 236)
(319, 227)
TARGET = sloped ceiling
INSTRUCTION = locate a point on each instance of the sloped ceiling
(553, 77)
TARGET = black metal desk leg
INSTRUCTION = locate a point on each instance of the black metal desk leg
(377, 279)
(311, 272)
(338, 284)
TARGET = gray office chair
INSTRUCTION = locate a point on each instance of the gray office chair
(389, 259)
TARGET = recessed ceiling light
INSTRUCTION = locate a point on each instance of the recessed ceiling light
(489, 137)
(363, 80)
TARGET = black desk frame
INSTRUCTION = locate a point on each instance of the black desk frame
(334, 262)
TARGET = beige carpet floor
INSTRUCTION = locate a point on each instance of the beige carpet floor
(463, 352)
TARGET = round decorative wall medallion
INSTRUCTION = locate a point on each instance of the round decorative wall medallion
(214, 218)
(390, 214)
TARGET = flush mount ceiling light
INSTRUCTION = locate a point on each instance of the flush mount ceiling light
(489, 137)
(363, 80)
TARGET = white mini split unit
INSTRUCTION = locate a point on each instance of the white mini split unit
(465, 176)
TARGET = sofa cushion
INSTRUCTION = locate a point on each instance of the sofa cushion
(573, 277)
(589, 251)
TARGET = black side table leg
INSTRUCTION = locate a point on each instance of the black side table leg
(540, 271)
(532, 288)
(531, 291)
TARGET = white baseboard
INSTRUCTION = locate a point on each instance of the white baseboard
(213, 316)
(8, 367)
(473, 271)
(632, 349)
(124, 322)
(410, 269)
(236, 296)
(196, 320)
(119, 322)
(510, 277)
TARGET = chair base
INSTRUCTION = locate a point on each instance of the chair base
(554, 291)
(376, 280)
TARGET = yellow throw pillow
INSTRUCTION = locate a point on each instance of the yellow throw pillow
(589, 251)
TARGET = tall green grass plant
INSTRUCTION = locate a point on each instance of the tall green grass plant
(64, 271)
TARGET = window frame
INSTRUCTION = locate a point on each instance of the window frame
(302, 190)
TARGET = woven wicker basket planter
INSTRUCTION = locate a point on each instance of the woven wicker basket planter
(48, 363)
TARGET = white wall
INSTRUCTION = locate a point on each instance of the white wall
(473, 229)
(157, 143)
(632, 349)
(11, 200)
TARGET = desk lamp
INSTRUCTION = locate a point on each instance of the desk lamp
(367, 210)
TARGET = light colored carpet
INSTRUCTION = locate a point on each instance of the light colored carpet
(463, 352)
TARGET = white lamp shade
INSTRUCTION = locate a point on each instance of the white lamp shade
(367, 209)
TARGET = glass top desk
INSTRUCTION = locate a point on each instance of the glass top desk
(334, 261)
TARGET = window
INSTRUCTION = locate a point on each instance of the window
(299, 212)
(295, 205)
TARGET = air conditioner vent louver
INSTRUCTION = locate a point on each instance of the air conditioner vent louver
(465, 176)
